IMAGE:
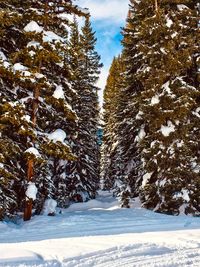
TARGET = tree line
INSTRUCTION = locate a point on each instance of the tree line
(152, 109)
(49, 106)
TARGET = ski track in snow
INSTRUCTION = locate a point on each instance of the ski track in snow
(133, 256)
(100, 234)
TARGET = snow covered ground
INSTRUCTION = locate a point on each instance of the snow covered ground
(100, 234)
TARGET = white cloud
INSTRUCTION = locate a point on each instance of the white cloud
(114, 11)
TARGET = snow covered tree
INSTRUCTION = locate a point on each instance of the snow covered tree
(84, 173)
(127, 121)
(112, 90)
(15, 122)
(169, 105)
(92, 66)
(54, 111)
(158, 108)
(91, 58)
(34, 73)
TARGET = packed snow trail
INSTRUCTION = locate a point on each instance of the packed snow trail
(100, 234)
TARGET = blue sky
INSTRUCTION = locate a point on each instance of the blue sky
(107, 16)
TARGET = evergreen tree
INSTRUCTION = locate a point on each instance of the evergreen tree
(34, 108)
(110, 107)
(169, 106)
(84, 173)
(91, 59)
(16, 126)
(158, 108)
(129, 122)
(127, 173)
(92, 66)
(160, 61)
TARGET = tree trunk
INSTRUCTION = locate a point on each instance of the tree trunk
(28, 209)
(30, 163)
(28, 202)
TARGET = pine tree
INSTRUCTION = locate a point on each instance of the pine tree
(110, 107)
(91, 59)
(127, 162)
(85, 65)
(33, 53)
(15, 120)
(92, 66)
(168, 105)
(129, 121)
(158, 108)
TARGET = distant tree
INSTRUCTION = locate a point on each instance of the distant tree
(126, 173)
(111, 102)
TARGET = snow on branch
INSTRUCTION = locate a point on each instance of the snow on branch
(31, 191)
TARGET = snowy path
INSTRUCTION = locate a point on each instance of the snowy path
(99, 234)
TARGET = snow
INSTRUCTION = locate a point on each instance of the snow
(166, 87)
(153, 143)
(39, 75)
(161, 182)
(163, 51)
(33, 27)
(169, 22)
(26, 73)
(101, 235)
(4, 60)
(185, 195)
(57, 135)
(179, 143)
(139, 115)
(181, 7)
(33, 150)
(145, 178)
(17, 256)
(84, 10)
(50, 206)
(2, 56)
(66, 17)
(173, 35)
(197, 112)
(6, 64)
(31, 191)
(166, 130)
(50, 36)
(19, 67)
(155, 100)
(59, 93)
(33, 44)
(27, 118)
(140, 135)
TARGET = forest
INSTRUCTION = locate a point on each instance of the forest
(50, 117)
